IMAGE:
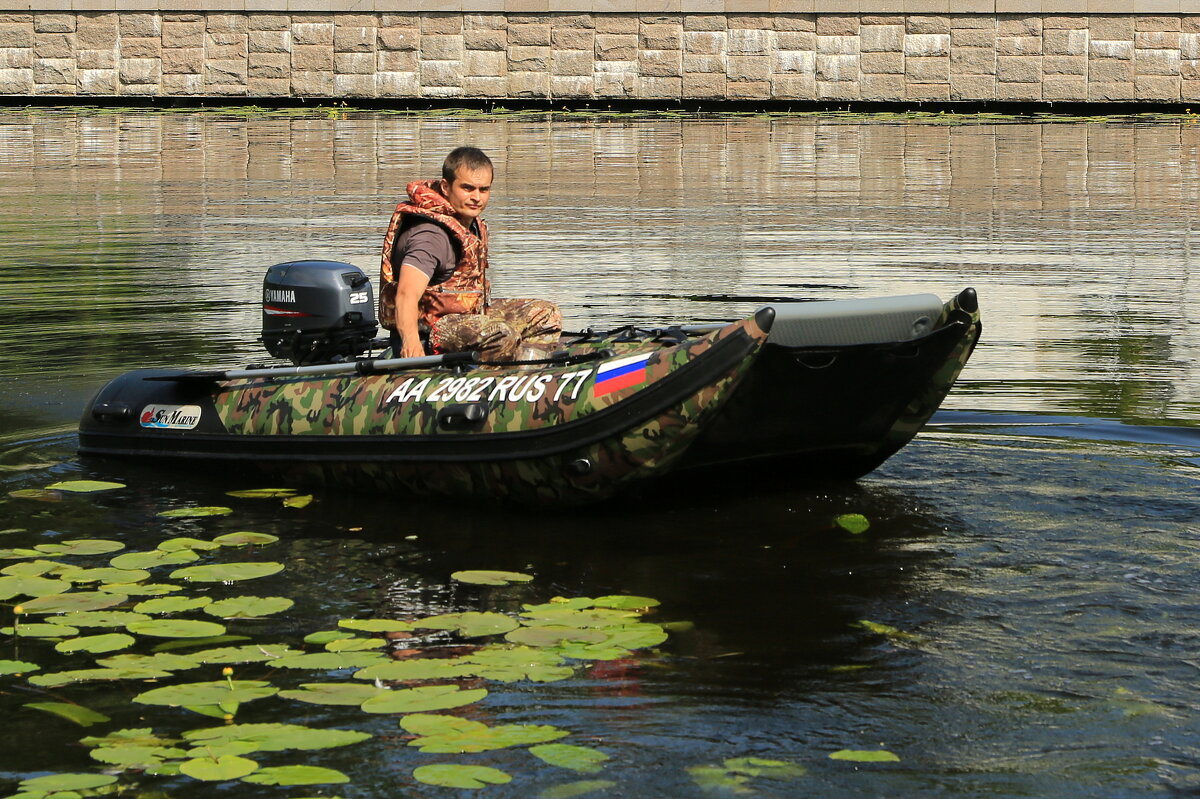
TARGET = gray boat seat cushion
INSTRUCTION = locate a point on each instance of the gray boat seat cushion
(872, 320)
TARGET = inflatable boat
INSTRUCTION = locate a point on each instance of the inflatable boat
(824, 390)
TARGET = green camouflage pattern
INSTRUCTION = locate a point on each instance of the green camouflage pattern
(518, 398)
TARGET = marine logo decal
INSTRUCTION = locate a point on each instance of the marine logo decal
(170, 417)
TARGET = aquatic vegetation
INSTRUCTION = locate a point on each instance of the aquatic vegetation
(853, 523)
(484, 577)
(84, 486)
(735, 774)
(865, 756)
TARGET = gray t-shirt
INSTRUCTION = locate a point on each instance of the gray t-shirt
(427, 246)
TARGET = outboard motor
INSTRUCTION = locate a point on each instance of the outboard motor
(317, 311)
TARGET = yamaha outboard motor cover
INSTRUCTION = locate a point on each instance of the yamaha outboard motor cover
(317, 311)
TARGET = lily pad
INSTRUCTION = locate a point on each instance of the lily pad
(136, 736)
(18, 585)
(422, 699)
(297, 775)
(276, 737)
(453, 775)
(853, 523)
(226, 572)
(108, 575)
(78, 714)
(245, 539)
(99, 618)
(248, 607)
(621, 602)
(55, 679)
(81, 546)
(368, 626)
(67, 782)
(78, 600)
(262, 493)
(84, 486)
(40, 494)
(219, 692)
(334, 693)
(210, 769)
(865, 756)
(417, 669)
(105, 642)
(766, 769)
(196, 513)
(568, 756)
(330, 661)
(183, 543)
(553, 635)
(139, 589)
(484, 738)
(163, 660)
(484, 577)
(571, 790)
(302, 501)
(172, 604)
(176, 628)
(596, 618)
(134, 756)
(250, 653)
(513, 663)
(35, 630)
(470, 624)
(189, 643)
(355, 644)
(152, 558)
(17, 667)
(40, 568)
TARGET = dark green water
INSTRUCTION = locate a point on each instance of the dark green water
(1035, 548)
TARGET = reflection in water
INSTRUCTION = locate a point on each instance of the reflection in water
(135, 238)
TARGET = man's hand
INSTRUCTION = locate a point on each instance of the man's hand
(409, 288)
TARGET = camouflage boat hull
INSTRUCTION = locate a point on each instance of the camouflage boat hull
(620, 409)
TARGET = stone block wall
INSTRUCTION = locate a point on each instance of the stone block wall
(591, 56)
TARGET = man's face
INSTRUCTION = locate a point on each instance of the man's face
(468, 193)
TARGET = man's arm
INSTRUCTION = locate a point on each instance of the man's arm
(409, 288)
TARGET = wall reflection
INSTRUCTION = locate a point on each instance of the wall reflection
(139, 238)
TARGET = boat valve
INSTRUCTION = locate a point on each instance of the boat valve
(579, 467)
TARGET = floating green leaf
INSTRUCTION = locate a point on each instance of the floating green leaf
(262, 493)
(439, 724)
(188, 643)
(98, 618)
(137, 736)
(106, 642)
(718, 778)
(571, 790)
(248, 607)
(17, 667)
(81, 546)
(250, 653)
(563, 603)
(452, 775)
(329, 661)
(134, 756)
(196, 513)
(297, 775)
(895, 635)
(298, 502)
(164, 661)
(35, 630)
(596, 618)
(767, 769)
(568, 756)
(40, 567)
(621, 602)
(67, 782)
(470, 624)
(56, 679)
(355, 644)
(84, 486)
(553, 635)
(334, 693)
(226, 572)
(207, 693)
(152, 558)
(276, 737)
(484, 577)
(183, 543)
(865, 756)
(365, 625)
(78, 714)
(172, 604)
(138, 589)
(245, 539)
(417, 669)
(422, 699)
(853, 523)
(512, 663)
(216, 769)
(484, 738)
(31, 586)
(176, 628)
(78, 600)
(108, 575)
(40, 494)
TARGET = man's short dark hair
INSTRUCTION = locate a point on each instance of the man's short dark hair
(470, 157)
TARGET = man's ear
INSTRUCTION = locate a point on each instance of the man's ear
(444, 187)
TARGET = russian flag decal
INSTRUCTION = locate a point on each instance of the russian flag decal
(621, 373)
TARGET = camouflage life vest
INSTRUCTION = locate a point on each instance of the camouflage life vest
(466, 290)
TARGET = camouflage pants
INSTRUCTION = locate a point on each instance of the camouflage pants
(501, 333)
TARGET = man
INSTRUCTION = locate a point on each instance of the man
(433, 275)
